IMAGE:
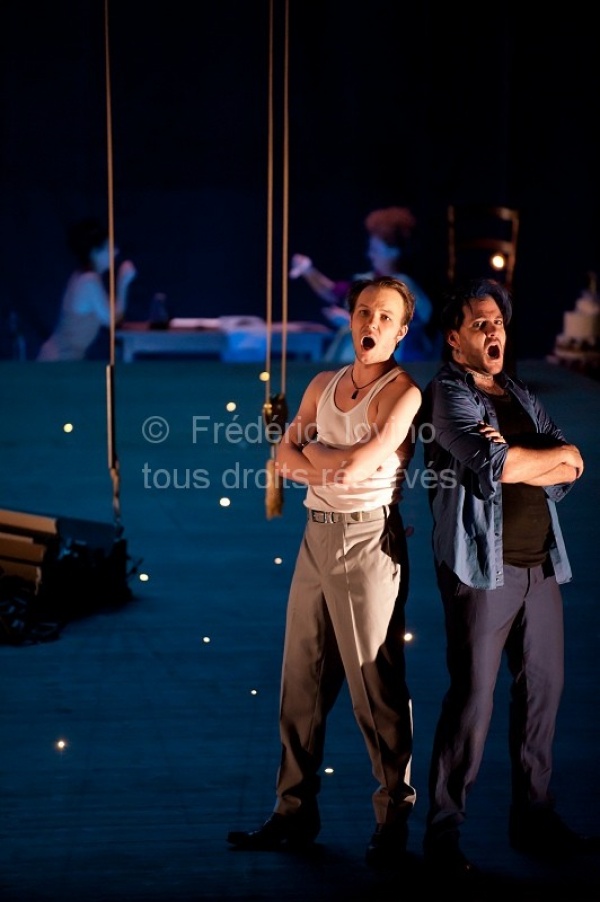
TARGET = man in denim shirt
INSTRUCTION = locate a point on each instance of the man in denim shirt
(501, 465)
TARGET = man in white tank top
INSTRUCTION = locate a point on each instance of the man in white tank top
(350, 443)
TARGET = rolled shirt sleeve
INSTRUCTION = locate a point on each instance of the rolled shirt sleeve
(466, 501)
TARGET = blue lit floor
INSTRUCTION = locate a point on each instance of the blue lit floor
(168, 706)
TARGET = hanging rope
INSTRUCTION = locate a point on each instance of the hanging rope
(275, 411)
(285, 204)
(113, 460)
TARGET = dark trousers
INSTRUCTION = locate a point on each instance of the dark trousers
(524, 619)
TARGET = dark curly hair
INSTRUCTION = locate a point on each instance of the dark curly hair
(453, 310)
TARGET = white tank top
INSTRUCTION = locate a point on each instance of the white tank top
(342, 429)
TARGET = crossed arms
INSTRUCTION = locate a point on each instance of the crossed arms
(542, 459)
(302, 458)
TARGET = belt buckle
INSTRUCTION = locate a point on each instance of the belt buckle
(318, 516)
(357, 516)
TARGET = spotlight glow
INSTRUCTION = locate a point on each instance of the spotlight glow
(224, 502)
(143, 577)
(264, 376)
(498, 261)
(61, 745)
(231, 406)
(68, 427)
(328, 770)
(206, 639)
(408, 637)
(254, 692)
(278, 560)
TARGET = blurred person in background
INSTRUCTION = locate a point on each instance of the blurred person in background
(85, 306)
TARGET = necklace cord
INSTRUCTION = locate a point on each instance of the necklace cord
(358, 388)
(366, 385)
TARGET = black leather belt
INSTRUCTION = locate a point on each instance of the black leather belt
(352, 517)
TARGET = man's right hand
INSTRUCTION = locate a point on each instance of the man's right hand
(573, 458)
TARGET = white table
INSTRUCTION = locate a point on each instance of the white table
(238, 340)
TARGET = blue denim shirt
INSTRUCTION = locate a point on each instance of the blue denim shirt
(466, 498)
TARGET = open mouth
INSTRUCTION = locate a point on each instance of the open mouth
(367, 343)
(494, 352)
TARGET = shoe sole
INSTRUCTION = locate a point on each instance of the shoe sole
(263, 844)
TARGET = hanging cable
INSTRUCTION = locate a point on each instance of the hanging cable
(285, 204)
(113, 460)
(275, 411)
(270, 141)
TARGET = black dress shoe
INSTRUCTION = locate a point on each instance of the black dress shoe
(541, 833)
(445, 858)
(387, 846)
(279, 831)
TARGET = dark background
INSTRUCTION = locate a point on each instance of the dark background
(389, 103)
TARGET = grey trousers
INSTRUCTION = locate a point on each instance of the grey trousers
(345, 620)
(524, 619)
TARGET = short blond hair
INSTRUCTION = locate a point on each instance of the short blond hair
(408, 298)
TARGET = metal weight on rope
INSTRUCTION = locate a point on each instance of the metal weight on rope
(275, 416)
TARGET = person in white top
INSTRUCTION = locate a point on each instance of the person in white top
(350, 443)
(85, 305)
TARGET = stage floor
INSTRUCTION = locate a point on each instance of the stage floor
(168, 706)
